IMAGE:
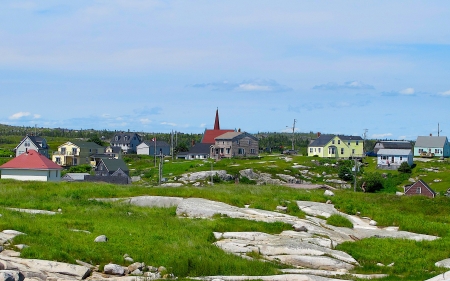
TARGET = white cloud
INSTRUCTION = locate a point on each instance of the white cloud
(168, 123)
(19, 115)
(203, 125)
(407, 91)
(444, 94)
(381, 136)
(254, 85)
(350, 85)
(145, 120)
(36, 116)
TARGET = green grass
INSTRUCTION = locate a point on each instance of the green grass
(339, 220)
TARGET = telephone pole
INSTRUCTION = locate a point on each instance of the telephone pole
(293, 133)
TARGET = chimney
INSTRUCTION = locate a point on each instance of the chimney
(26, 150)
(431, 135)
(193, 142)
(318, 134)
(239, 130)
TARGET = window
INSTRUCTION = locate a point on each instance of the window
(383, 157)
(339, 141)
(419, 190)
(237, 142)
(252, 151)
(228, 151)
(348, 143)
(436, 150)
(310, 149)
(116, 138)
(420, 150)
(63, 150)
(74, 151)
(241, 151)
(58, 160)
(401, 158)
(342, 150)
(353, 151)
(331, 150)
(248, 142)
(332, 141)
(318, 149)
(75, 161)
(357, 142)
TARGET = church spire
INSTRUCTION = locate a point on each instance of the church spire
(216, 123)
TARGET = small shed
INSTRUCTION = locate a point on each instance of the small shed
(74, 176)
(393, 158)
(419, 188)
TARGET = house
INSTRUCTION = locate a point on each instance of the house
(209, 135)
(74, 176)
(113, 152)
(392, 145)
(391, 159)
(430, 146)
(111, 167)
(235, 144)
(419, 188)
(32, 142)
(153, 147)
(74, 153)
(197, 151)
(127, 141)
(31, 165)
(336, 146)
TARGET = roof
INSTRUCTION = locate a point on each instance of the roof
(115, 164)
(210, 135)
(326, 138)
(34, 139)
(158, 143)
(199, 148)
(121, 137)
(31, 160)
(396, 144)
(387, 151)
(75, 176)
(430, 141)
(115, 149)
(322, 140)
(235, 136)
(86, 144)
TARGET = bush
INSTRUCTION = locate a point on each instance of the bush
(372, 182)
(338, 220)
(404, 168)
(345, 173)
(84, 168)
(245, 180)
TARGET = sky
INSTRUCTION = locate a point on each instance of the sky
(338, 67)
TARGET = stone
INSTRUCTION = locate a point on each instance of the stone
(300, 228)
(373, 223)
(161, 269)
(380, 264)
(137, 265)
(443, 263)
(328, 202)
(152, 268)
(129, 259)
(328, 193)
(136, 272)
(398, 193)
(21, 246)
(9, 275)
(114, 269)
(101, 238)
(281, 209)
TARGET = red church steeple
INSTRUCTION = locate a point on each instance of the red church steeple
(216, 123)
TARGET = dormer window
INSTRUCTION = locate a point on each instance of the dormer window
(117, 138)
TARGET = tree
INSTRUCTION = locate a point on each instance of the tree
(372, 182)
(96, 139)
(182, 147)
(404, 168)
(345, 173)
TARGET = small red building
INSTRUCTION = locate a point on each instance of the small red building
(419, 188)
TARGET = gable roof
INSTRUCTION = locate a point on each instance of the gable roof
(31, 160)
(387, 151)
(125, 137)
(158, 143)
(210, 135)
(420, 183)
(326, 138)
(235, 136)
(37, 141)
(114, 164)
(199, 148)
(395, 144)
(430, 141)
(84, 144)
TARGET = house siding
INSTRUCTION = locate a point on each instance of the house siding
(31, 175)
(239, 146)
(419, 188)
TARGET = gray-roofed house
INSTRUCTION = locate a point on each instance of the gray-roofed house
(38, 144)
(128, 141)
(110, 167)
(197, 151)
(430, 146)
(391, 159)
(336, 146)
(392, 145)
(235, 144)
(148, 148)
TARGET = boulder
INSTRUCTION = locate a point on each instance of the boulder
(114, 269)
(443, 263)
(328, 193)
(372, 222)
(101, 238)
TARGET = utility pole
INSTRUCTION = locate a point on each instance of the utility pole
(364, 142)
(293, 133)
(160, 170)
(171, 142)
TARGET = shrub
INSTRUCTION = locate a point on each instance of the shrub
(372, 182)
(84, 168)
(245, 180)
(404, 168)
(345, 173)
(338, 220)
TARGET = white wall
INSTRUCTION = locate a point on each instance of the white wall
(31, 175)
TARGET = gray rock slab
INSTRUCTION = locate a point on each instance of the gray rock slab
(317, 209)
(314, 262)
(32, 211)
(331, 273)
(443, 263)
(281, 277)
(441, 277)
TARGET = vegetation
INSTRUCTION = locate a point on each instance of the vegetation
(339, 220)
(404, 168)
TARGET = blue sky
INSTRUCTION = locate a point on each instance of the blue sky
(156, 66)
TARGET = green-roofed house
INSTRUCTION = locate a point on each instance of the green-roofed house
(337, 146)
(74, 153)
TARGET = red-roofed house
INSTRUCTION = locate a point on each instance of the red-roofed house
(210, 135)
(32, 166)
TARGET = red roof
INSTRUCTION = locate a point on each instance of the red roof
(210, 135)
(31, 160)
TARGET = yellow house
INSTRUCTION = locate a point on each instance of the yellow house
(76, 153)
(337, 146)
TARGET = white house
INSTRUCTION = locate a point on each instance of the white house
(393, 158)
(31, 166)
(149, 148)
(32, 142)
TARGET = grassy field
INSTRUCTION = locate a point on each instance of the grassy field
(158, 237)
